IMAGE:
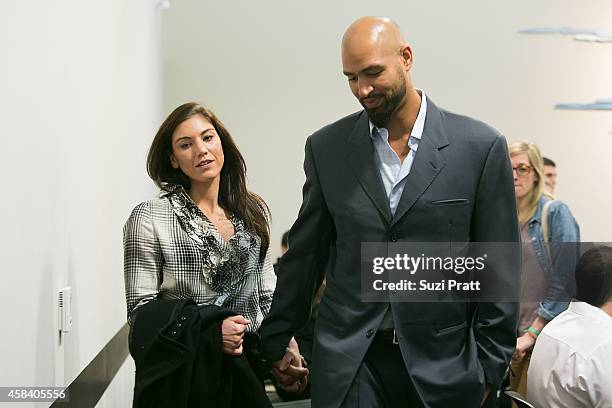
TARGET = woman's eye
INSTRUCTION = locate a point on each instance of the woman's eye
(206, 138)
(184, 145)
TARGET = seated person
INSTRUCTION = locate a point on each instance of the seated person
(571, 364)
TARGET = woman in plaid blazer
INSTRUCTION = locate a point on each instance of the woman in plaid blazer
(206, 237)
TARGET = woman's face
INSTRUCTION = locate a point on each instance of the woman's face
(524, 175)
(197, 150)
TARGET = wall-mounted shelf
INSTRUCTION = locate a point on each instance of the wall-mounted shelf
(579, 34)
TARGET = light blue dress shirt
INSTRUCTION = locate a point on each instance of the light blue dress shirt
(392, 170)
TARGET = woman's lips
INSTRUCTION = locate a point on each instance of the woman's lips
(204, 163)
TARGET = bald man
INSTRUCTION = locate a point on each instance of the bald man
(402, 169)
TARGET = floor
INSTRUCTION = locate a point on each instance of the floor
(278, 403)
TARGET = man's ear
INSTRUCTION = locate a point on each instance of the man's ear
(406, 54)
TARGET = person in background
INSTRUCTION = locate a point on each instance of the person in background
(550, 175)
(548, 266)
(571, 364)
(284, 247)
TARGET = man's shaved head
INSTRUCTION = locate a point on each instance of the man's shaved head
(376, 61)
(367, 32)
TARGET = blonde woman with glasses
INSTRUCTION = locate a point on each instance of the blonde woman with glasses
(547, 266)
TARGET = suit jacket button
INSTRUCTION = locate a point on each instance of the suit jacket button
(393, 237)
(369, 333)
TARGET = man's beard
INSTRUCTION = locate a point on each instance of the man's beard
(381, 114)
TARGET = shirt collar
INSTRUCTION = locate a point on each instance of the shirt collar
(169, 188)
(585, 309)
(419, 123)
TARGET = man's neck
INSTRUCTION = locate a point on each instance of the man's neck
(401, 123)
(607, 307)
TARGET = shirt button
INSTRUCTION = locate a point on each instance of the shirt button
(369, 333)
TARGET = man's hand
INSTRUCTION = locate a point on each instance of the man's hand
(290, 372)
(523, 345)
(232, 331)
(486, 394)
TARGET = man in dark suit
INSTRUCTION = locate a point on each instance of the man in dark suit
(402, 170)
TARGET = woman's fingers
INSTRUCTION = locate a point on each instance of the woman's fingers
(233, 346)
(234, 325)
(233, 351)
(232, 331)
(239, 319)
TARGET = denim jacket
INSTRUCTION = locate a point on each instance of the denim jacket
(559, 271)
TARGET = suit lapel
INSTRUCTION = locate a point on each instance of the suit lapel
(427, 164)
(362, 161)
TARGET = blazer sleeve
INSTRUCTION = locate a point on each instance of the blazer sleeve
(266, 283)
(142, 259)
(495, 220)
(301, 268)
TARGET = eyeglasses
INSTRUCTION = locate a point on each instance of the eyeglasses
(522, 170)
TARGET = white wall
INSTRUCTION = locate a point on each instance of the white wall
(272, 72)
(80, 99)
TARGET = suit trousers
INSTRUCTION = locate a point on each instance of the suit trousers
(382, 381)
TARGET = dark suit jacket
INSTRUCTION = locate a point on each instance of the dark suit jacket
(449, 349)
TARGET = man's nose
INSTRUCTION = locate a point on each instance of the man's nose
(364, 88)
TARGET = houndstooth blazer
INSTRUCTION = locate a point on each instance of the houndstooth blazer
(172, 251)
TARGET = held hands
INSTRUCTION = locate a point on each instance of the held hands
(291, 373)
(523, 345)
(232, 331)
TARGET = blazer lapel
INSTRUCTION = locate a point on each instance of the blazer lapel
(362, 160)
(427, 164)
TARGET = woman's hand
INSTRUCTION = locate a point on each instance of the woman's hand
(232, 331)
(523, 345)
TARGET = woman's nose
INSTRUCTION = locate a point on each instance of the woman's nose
(201, 147)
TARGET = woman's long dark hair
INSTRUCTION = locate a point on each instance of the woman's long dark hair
(233, 194)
